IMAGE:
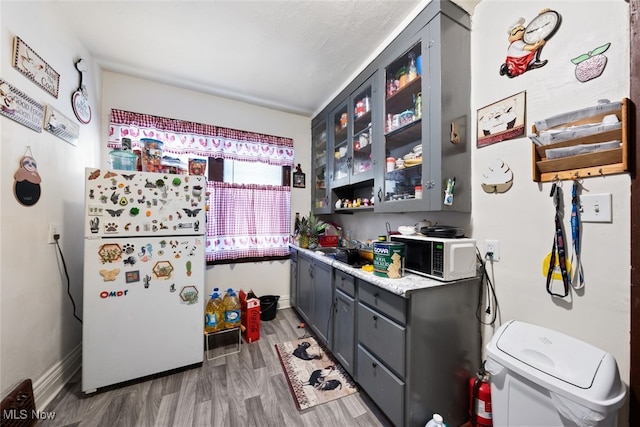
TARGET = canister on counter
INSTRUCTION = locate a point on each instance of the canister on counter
(388, 259)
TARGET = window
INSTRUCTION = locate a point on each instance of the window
(248, 212)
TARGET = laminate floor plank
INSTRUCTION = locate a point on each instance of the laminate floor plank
(237, 390)
(167, 410)
(202, 414)
(151, 403)
(186, 398)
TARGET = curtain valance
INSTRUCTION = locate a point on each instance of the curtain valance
(184, 137)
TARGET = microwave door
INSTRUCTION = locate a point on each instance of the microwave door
(418, 256)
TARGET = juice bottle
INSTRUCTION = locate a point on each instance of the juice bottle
(213, 322)
(231, 305)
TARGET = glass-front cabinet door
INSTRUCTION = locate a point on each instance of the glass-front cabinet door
(403, 169)
(362, 133)
(352, 138)
(340, 125)
(321, 192)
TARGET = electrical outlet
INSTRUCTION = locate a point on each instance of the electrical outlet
(53, 229)
(492, 246)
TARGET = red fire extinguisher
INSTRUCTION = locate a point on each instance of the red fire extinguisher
(480, 399)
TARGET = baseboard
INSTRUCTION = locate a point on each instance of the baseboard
(284, 302)
(47, 387)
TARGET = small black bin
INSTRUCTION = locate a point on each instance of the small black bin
(268, 307)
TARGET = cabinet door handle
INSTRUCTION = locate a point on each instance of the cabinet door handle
(380, 194)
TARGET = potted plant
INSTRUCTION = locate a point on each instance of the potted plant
(308, 231)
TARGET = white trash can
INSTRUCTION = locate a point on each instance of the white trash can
(541, 377)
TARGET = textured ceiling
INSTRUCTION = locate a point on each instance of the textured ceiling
(288, 55)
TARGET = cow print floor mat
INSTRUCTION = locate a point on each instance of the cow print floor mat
(313, 375)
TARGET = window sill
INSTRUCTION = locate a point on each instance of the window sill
(246, 260)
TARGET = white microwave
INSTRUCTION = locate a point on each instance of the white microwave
(439, 258)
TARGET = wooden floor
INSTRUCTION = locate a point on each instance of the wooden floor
(243, 389)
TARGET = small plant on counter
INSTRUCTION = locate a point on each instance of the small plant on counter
(308, 232)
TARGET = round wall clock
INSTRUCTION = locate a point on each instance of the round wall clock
(542, 27)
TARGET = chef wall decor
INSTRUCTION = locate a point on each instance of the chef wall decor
(501, 120)
(19, 107)
(526, 43)
(80, 98)
(34, 67)
(61, 126)
(497, 177)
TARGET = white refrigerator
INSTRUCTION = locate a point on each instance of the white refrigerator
(144, 269)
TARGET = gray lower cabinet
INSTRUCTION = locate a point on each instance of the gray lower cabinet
(343, 342)
(412, 355)
(305, 287)
(416, 354)
(315, 295)
(293, 284)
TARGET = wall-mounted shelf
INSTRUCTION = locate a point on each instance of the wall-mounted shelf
(599, 163)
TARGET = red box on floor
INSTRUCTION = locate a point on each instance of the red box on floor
(250, 317)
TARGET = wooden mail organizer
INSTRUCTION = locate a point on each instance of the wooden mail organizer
(604, 162)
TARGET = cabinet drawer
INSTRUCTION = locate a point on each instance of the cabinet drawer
(384, 337)
(345, 282)
(384, 388)
(391, 305)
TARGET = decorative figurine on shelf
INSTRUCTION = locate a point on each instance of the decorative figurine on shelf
(525, 43)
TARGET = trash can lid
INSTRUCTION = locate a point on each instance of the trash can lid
(558, 362)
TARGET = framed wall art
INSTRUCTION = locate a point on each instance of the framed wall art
(501, 120)
(34, 67)
(298, 177)
(61, 126)
(18, 106)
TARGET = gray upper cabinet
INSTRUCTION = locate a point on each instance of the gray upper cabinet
(320, 189)
(426, 105)
(351, 126)
(417, 133)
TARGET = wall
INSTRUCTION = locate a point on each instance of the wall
(40, 339)
(142, 96)
(522, 218)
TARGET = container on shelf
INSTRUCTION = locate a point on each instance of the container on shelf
(123, 160)
(151, 155)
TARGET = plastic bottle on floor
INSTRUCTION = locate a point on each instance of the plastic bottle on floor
(436, 421)
(213, 318)
(231, 304)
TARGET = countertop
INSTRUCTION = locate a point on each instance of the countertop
(402, 286)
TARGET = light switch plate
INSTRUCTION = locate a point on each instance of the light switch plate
(595, 207)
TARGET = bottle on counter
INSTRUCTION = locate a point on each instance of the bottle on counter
(231, 304)
(297, 224)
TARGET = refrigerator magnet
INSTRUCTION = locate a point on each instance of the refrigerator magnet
(132, 276)
(189, 295)
(109, 275)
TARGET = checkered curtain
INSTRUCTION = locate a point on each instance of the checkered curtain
(183, 137)
(247, 221)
